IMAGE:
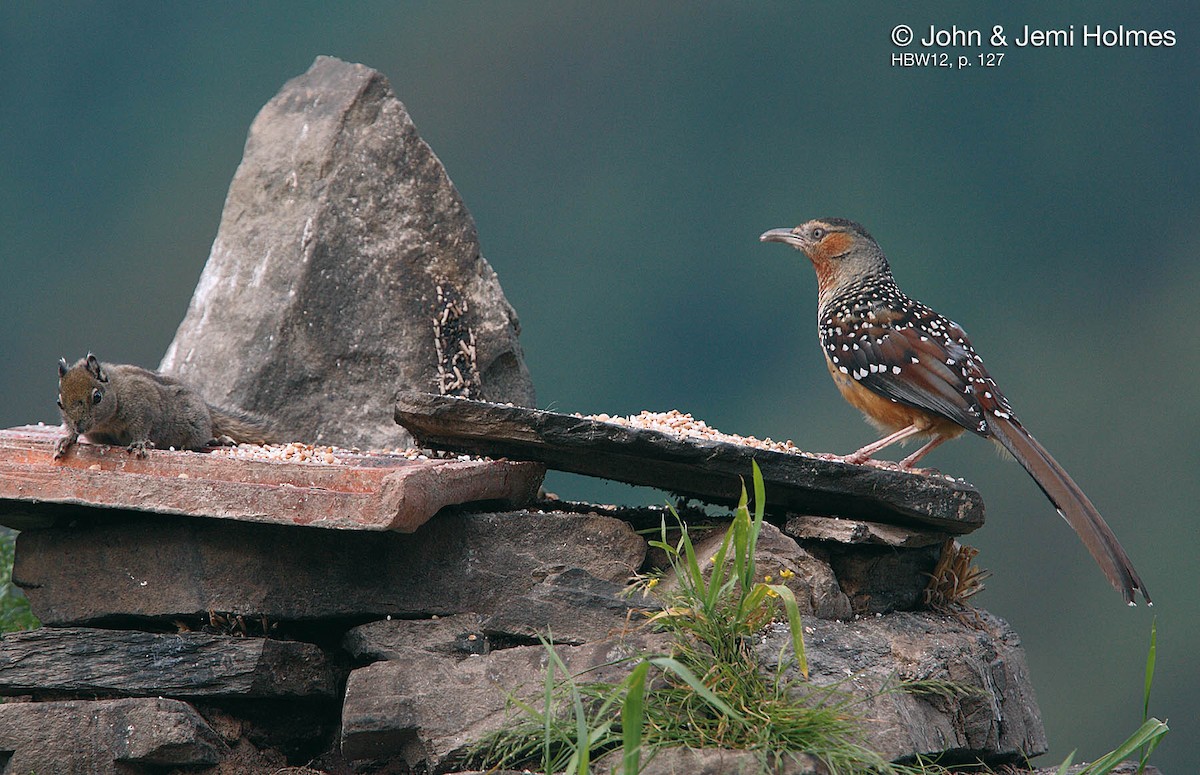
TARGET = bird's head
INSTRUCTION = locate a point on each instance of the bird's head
(841, 251)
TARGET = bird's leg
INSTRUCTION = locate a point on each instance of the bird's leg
(864, 454)
(931, 445)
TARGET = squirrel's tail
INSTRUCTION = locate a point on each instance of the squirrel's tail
(242, 427)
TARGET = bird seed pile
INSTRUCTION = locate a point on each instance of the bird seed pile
(298, 452)
(682, 424)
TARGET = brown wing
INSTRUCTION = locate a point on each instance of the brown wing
(917, 357)
(910, 354)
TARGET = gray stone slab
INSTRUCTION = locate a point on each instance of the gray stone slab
(105, 737)
(84, 662)
(456, 636)
(712, 761)
(994, 715)
(428, 708)
(856, 532)
(570, 607)
(109, 570)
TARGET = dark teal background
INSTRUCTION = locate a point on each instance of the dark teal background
(621, 160)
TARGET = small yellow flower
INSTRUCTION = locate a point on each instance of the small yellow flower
(652, 583)
(767, 578)
(786, 573)
(772, 593)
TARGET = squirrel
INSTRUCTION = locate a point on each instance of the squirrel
(137, 408)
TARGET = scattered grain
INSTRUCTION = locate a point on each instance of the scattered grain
(682, 424)
(298, 452)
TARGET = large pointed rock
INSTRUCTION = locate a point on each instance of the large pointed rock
(346, 267)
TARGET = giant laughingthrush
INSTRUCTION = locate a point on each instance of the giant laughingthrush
(913, 373)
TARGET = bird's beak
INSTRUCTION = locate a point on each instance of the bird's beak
(781, 235)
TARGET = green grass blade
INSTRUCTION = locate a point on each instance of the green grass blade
(717, 581)
(743, 559)
(760, 506)
(632, 718)
(583, 747)
(794, 624)
(548, 709)
(691, 567)
(1150, 658)
(671, 550)
(758, 593)
(1148, 734)
(688, 677)
(1066, 765)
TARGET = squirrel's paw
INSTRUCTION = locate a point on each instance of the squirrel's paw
(63, 445)
(139, 447)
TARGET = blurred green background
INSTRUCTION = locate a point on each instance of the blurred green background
(621, 159)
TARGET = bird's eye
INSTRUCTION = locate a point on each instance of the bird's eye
(817, 233)
(96, 396)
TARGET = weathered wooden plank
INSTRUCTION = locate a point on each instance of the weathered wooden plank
(712, 471)
(78, 662)
(363, 492)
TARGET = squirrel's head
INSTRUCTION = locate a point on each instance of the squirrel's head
(81, 393)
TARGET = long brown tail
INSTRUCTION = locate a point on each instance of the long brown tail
(242, 427)
(1073, 505)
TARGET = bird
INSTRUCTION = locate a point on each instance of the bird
(914, 374)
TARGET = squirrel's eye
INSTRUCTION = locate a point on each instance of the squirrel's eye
(59, 402)
(818, 233)
(96, 396)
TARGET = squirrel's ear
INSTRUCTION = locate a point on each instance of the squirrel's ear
(62, 367)
(93, 365)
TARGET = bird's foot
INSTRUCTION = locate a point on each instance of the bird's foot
(856, 459)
